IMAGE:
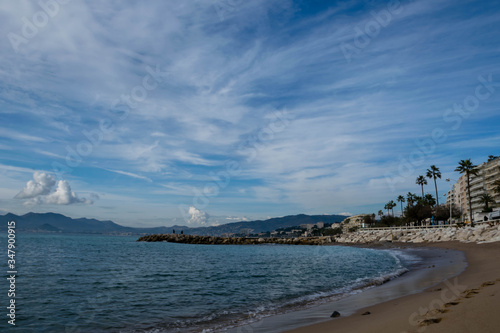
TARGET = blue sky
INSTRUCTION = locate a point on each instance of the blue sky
(205, 112)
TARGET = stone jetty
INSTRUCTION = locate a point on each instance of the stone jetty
(193, 239)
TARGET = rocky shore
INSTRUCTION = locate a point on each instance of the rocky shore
(212, 240)
(483, 233)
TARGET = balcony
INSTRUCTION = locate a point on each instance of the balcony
(477, 188)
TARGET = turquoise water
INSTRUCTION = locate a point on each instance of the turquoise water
(81, 283)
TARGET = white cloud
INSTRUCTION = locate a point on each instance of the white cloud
(130, 174)
(64, 196)
(7, 133)
(15, 169)
(346, 214)
(226, 71)
(198, 217)
(40, 190)
(41, 184)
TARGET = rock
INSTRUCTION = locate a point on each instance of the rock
(335, 314)
(418, 239)
(366, 313)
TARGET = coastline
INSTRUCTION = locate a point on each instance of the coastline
(468, 302)
(425, 267)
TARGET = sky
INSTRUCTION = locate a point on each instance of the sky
(198, 113)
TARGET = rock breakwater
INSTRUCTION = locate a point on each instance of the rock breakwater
(193, 239)
(483, 233)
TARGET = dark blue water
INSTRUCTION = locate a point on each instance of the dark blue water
(81, 283)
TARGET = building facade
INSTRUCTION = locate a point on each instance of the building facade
(488, 173)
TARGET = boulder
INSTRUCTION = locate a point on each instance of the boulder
(335, 314)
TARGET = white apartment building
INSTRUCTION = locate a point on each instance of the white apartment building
(488, 172)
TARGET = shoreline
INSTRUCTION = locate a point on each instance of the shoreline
(426, 267)
(467, 302)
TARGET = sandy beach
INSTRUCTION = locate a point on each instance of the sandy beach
(468, 302)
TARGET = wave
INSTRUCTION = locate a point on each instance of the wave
(224, 320)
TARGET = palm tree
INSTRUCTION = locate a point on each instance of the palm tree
(486, 199)
(410, 199)
(468, 168)
(496, 186)
(421, 181)
(401, 199)
(387, 206)
(429, 200)
(380, 213)
(434, 173)
(392, 204)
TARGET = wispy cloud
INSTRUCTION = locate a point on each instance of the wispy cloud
(227, 72)
(130, 174)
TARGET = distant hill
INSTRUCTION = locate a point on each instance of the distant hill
(52, 222)
(262, 225)
(57, 223)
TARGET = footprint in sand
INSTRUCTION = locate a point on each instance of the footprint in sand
(427, 322)
(436, 311)
(488, 283)
(470, 293)
(451, 304)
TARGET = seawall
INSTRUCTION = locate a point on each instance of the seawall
(483, 233)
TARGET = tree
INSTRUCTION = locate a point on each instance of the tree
(369, 219)
(429, 200)
(410, 199)
(486, 199)
(401, 199)
(492, 157)
(421, 181)
(392, 204)
(387, 206)
(442, 213)
(434, 173)
(418, 212)
(468, 168)
(380, 213)
(496, 186)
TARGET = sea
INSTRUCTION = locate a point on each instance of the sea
(96, 283)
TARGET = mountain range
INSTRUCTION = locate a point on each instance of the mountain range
(57, 223)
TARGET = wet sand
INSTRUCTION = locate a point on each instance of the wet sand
(469, 302)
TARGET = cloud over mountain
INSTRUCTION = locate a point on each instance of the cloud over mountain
(41, 184)
(198, 217)
(41, 190)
